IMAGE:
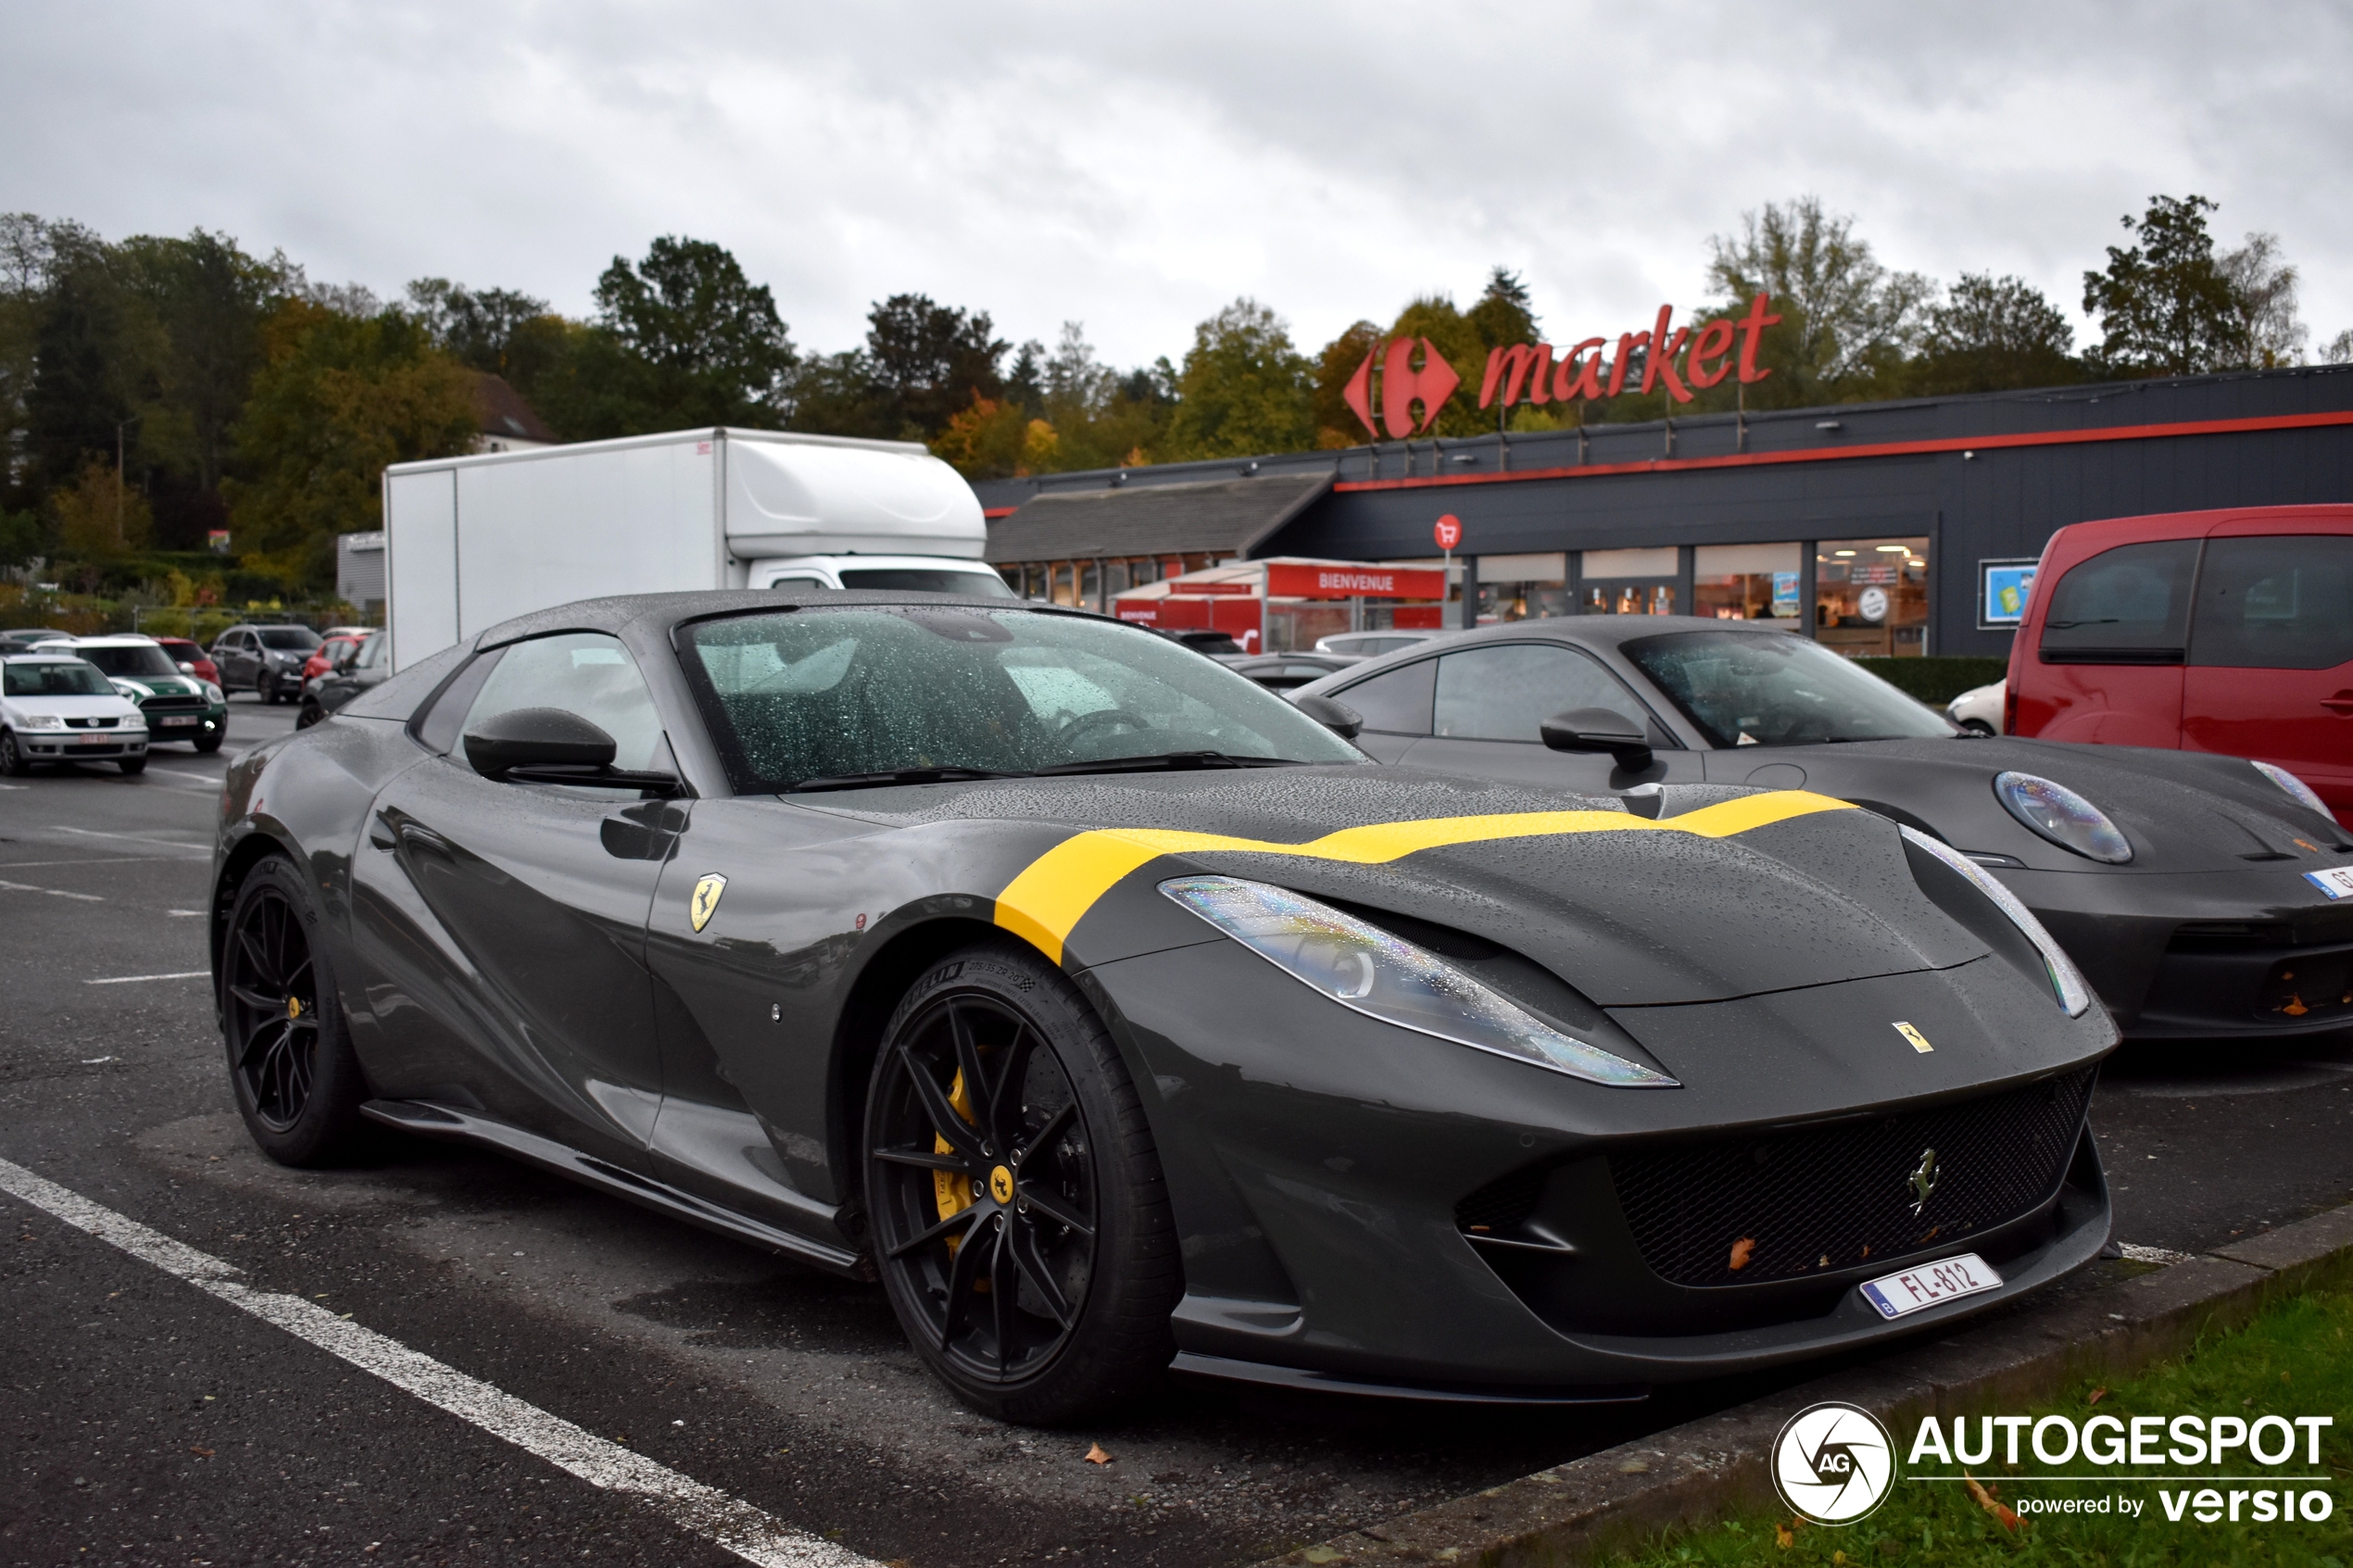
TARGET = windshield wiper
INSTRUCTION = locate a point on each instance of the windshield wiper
(1170, 759)
(899, 776)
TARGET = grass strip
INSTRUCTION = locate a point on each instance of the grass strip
(2295, 1359)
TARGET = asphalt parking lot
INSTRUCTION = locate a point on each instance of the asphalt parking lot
(153, 1423)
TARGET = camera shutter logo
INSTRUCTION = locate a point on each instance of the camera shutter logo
(1833, 1464)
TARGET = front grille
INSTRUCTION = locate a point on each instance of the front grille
(174, 703)
(1836, 1198)
(90, 723)
(2316, 985)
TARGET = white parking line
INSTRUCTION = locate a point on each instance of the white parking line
(128, 979)
(133, 837)
(751, 1533)
(52, 892)
(95, 860)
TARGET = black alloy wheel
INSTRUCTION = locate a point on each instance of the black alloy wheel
(311, 713)
(272, 1009)
(1016, 1210)
(295, 1081)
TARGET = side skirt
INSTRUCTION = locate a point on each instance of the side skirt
(453, 1125)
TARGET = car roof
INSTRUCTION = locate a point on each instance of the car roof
(37, 658)
(111, 640)
(624, 611)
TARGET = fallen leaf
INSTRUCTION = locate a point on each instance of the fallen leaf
(1740, 1252)
(200, 1453)
(2097, 1395)
(1986, 1501)
(1095, 1454)
(1783, 1537)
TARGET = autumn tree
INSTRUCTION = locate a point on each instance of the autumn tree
(340, 398)
(928, 360)
(1243, 388)
(98, 517)
(2263, 290)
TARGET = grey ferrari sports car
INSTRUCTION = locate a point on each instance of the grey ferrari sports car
(1114, 1013)
(2203, 895)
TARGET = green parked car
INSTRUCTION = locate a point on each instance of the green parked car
(179, 706)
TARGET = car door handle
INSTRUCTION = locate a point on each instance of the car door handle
(2341, 704)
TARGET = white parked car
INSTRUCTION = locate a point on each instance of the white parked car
(61, 710)
(1979, 708)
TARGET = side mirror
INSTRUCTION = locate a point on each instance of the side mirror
(538, 737)
(1598, 729)
(1337, 716)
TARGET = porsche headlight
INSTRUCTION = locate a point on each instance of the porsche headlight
(2305, 794)
(2064, 817)
(1362, 967)
(2068, 983)
(44, 722)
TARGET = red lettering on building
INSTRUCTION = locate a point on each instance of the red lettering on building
(1676, 358)
(1288, 580)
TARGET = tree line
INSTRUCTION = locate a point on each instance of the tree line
(156, 389)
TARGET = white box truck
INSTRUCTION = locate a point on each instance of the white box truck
(470, 542)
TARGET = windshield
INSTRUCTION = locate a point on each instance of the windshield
(54, 678)
(288, 637)
(144, 658)
(1774, 688)
(828, 694)
(975, 584)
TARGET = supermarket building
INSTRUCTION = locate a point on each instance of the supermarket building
(1900, 528)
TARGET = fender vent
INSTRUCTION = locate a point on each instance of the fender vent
(1503, 1202)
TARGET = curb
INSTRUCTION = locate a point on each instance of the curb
(1694, 1473)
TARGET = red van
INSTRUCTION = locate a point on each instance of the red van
(2228, 631)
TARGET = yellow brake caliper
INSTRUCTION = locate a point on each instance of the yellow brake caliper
(954, 1191)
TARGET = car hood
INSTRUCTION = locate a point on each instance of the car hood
(138, 686)
(1731, 892)
(76, 706)
(2183, 811)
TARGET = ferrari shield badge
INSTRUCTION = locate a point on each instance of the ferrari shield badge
(1916, 1040)
(705, 902)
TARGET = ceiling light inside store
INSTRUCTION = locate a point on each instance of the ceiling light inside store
(1892, 549)
(1843, 552)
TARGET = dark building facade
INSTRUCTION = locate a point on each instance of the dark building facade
(1878, 527)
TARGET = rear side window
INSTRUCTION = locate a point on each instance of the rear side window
(1395, 702)
(1507, 692)
(2275, 603)
(2126, 606)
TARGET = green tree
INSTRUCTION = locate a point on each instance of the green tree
(1846, 320)
(98, 517)
(701, 344)
(78, 399)
(1994, 335)
(2165, 305)
(340, 397)
(1243, 389)
(929, 360)
(202, 303)
(1505, 313)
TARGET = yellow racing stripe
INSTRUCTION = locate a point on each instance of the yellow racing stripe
(1045, 903)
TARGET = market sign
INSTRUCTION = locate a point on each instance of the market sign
(1666, 355)
(1286, 580)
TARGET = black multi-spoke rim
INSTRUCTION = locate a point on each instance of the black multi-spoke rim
(273, 1010)
(983, 1187)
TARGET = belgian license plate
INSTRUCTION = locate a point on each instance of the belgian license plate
(181, 719)
(94, 740)
(2337, 882)
(1948, 1279)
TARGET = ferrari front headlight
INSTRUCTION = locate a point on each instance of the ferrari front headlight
(2064, 817)
(1381, 976)
(2305, 794)
(2073, 991)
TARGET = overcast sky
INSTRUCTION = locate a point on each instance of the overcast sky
(1135, 167)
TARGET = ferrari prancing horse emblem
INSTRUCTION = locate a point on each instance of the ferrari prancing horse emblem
(700, 908)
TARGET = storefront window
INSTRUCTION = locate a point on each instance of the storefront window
(1870, 597)
(1528, 588)
(1746, 582)
(1062, 590)
(1631, 581)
